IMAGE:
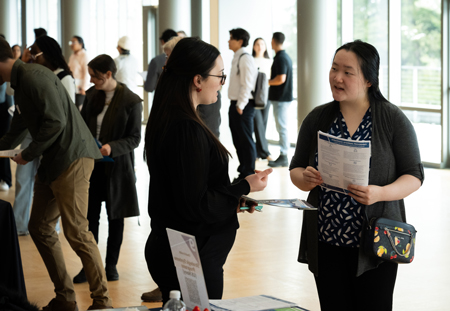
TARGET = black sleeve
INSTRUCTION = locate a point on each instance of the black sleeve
(305, 142)
(197, 194)
(406, 148)
(132, 135)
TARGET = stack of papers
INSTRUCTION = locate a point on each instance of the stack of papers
(253, 303)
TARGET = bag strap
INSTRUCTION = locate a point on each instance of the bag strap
(238, 70)
(393, 243)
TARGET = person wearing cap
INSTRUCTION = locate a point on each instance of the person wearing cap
(157, 63)
(127, 65)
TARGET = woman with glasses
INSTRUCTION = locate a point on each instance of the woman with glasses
(46, 52)
(190, 190)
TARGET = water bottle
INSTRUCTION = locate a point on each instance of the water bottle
(174, 303)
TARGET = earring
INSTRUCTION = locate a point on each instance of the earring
(199, 90)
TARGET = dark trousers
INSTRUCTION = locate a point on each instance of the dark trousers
(241, 127)
(260, 122)
(5, 121)
(79, 100)
(97, 194)
(213, 252)
(340, 289)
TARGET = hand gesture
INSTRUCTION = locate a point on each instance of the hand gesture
(259, 180)
(105, 150)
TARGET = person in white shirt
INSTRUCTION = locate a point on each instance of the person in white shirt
(263, 63)
(242, 108)
(127, 65)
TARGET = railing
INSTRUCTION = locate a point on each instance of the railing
(421, 86)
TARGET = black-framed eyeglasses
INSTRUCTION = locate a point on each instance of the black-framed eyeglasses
(222, 78)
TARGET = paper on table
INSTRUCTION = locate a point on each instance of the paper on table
(10, 153)
(252, 303)
(343, 162)
(294, 203)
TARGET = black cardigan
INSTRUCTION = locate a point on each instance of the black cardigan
(395, 152)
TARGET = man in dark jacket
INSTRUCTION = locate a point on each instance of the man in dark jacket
(68, 150)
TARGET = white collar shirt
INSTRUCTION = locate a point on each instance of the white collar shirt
(242, 84)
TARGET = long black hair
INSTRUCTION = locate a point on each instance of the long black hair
(101, 64)
(190, 57)
(369, 61)
(52, 53)
(266, 54)
(80, 41)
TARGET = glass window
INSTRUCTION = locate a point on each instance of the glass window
(285, 20)
(370, 24)
(421, 73)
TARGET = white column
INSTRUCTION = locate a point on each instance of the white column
(5, 19)
(314, 55)
(74, 22)
(174, 14)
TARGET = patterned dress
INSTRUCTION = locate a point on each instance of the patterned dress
(340, 216)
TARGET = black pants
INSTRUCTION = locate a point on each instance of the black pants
(97, 194)
(79, 100)
(260, 122)
(340, 289)
(241, 127)
(5, 121)
(213, 252)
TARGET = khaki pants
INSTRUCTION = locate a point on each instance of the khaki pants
(67, 196)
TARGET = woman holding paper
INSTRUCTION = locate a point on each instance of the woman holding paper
(190, 189)
(347, 278)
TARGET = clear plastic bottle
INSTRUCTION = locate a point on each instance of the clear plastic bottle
(174, 303)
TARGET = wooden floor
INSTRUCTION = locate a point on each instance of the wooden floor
(264, 257)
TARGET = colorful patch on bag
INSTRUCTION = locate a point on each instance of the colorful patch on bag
(381, 251)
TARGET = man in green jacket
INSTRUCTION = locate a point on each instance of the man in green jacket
(68, 150)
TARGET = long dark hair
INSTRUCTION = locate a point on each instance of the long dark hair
(52, 53)
(190, 57)
(101, 64)
(80, 41)
(266, 54)
(369, 61)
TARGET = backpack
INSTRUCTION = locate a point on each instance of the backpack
(261, 89)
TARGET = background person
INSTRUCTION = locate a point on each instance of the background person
(243, 76)
(280, 95)
(127, 65)
(346, 277)
(46, 52)
(17, 51)
(113, 114)
(78, 65)
(156, 64)
(263, 63)
(206, 208)
(68, 152)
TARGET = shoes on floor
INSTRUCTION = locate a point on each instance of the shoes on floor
(80, 277)
(111, 273)
(4, 186)
(153, 296)
(282, 161)
(22, 233)
(60, 305)
(96, 306)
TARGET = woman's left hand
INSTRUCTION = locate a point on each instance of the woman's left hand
(248, 204)
(105, 150)
(366, 195)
